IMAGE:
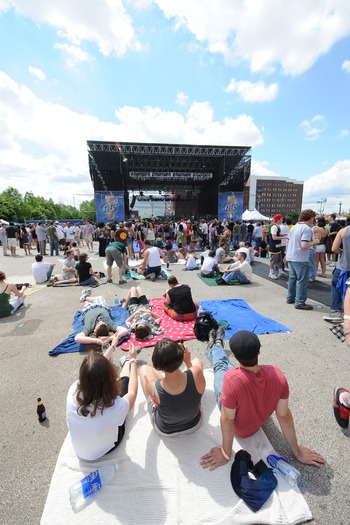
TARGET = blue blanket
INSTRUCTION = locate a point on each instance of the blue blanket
(118, 316)
(240, 316)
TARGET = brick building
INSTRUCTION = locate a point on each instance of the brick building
(271, 195)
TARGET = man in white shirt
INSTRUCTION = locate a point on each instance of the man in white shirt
(152, 266)
(69, 232)
(41, 271)
(240, 270)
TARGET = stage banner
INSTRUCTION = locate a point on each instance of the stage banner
(109, 206)
(230, 206)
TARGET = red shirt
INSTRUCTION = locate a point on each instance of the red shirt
(254, 396)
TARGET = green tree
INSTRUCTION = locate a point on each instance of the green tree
(87, 210)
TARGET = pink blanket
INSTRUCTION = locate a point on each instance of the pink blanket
(172, 329)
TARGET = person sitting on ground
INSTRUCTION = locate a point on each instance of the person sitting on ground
(68, 276)
(174, 396)
(240, 271)
(179, 304)
(142, 320)
(117, 252)
(341, 401)
(151, 265)
(41, 271)
(181, 253)
(84, 272)
(191, 261)
(263, 249)
(205, 254)
(210, 265)
(8, 305)
(247, 396)
(98, 403)
(97, 322)
(76, 251)
(170, 254)
(221, 256)
(251, 251)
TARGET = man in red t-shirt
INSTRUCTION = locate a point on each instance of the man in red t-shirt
(247, 396)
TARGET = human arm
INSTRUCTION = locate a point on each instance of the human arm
(301, 453)
(336, 246)
(167, 298)
(216, 458)
(133, 382)
(117, 336)
(87, 340)
(126, 263)
(19, 293)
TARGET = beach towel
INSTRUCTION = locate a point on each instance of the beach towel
(117, 314)
(174, 330)
(240, 316)
(159, 480)
(211, 281)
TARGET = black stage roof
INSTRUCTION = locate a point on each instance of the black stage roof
(143, 166)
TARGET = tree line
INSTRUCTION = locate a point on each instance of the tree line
(23, 208)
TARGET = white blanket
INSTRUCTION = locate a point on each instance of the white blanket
(160, 481)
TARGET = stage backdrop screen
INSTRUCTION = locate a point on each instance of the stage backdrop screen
(230, 206)
(109, 206)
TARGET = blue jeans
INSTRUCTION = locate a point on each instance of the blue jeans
(54, 246)
(89, 281)
(298, 282)
(312, 264)
(236, 238)
(221, 363)
(240, 276)
(337, 301)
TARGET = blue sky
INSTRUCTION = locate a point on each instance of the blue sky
(268, 74)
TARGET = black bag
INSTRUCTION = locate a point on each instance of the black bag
(204, 323)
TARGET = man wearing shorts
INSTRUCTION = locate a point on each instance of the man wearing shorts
(117, 252)
(88, 232)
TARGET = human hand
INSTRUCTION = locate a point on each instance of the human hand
(309, 457)
(187, 356)
(132, 351)
(213, 459)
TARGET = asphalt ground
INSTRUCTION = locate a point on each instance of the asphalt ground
(311, 357)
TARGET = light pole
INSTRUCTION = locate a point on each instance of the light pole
(340, 205)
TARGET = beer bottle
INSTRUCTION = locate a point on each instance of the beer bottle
(40, 410)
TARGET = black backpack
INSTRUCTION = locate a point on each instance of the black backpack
(204, 323)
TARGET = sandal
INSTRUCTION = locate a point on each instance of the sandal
(123, 281)
(320, 275)
(109, 281)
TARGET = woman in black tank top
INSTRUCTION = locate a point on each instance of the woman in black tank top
(174, 395)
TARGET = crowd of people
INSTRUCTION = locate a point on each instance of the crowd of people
(248, 393)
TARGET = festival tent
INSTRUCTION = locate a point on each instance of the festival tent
(254, 215)
(2, 221)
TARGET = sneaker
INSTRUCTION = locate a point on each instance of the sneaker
(124, 359)
(212, 338)
(84, 295)
(153, 277)
(290, 301)
(341, 412)
(272, 276)
(335, 316)
(303, 306)
(221, 281)
(163, 274)
(282, 274)
(220, 335)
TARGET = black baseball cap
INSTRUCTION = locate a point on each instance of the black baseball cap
(245, 345)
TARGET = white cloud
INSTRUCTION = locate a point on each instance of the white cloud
(181, 98)
(73, 54)
(346, 66)
(333, 183)
(343, 133)
(253, 91)
(43, 144)
(314, 127)
(261, 168)
(265, 34)
(104, 22)
(37, 72)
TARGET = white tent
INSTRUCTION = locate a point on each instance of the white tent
(2, 221)
(253, 215)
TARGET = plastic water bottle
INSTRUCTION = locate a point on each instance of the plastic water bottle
(280, 466)
(82, 491)
(284, 469)
(116, 300)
